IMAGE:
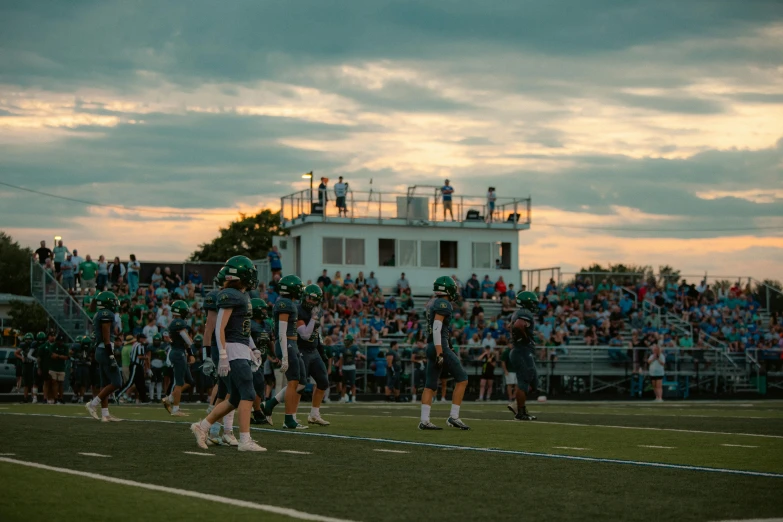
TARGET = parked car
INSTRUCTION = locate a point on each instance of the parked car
(7, 370)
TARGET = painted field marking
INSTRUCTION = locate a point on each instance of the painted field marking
(480, 449)
(570, 448)
(390, 451)
(7, 454)
(293, 513)
(95, 455)
(738, 446)
(656, 447)
(199, 454)
(294, 452)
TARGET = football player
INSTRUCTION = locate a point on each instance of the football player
(80, 355)
(394, 376)
(157, 361)
(286, 314)
(312, 351)
(235, 352)
(104, 306)
(522, 355)
(262, 337)
(440, 355)
(180, 346)
(28, 367)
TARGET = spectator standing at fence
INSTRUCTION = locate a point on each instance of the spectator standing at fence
(323, 194)
(657, 365)
(491, 198)
(134, 269)
(275, 263)
(116, 272)
(103, 273)
(43, 253)
(77, 260)
(68, 269)
(88, 272)
(340, 193)
(59, 254)
(447, 191)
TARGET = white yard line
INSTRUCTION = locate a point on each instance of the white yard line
(294, 452)
(390, 451)
(293, 513)
(570, 448)
(199, 454)
(738, 446)
(656, 447)
(95, 455)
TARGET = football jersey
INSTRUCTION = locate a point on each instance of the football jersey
(529, 329)
(349, 356)
(238, 326)
(442, 307)
(176, 326)
(305, 315)
(286, 306)
(261, 336)
(210, 305)
(395, 359)
(101, 317)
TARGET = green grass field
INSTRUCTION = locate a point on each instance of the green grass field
(579, 461)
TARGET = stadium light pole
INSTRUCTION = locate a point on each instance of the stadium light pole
(305, 176)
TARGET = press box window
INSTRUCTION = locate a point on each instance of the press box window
(448, 254)
(408, 252)
(429, 254)
(354, 251)
(386, 252)
(333, 251)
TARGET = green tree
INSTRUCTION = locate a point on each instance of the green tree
(14, 266)
(249, 236)
(28, 317)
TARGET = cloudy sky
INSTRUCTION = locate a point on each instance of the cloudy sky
(646, 132)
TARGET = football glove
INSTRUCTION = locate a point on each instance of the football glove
(208, 368)
(284, 365)
(255, 355)
(223, 366)
(439, 360)
(113, 362)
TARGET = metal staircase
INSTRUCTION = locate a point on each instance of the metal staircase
(64, 310)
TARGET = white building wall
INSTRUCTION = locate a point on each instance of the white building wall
(420, 278)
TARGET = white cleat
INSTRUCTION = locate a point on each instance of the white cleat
(250, 446)
(200, 433)
(110, 418)
(317, 420)
(179, 413)
(229, 439)
(166, 404)
(93, 411)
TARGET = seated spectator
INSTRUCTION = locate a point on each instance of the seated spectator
(348, 280)
(360, 281)
(472, 288)
(511, 293)
(195, 278)
(402, 284)
(324, 280)
(487, 288)
(476, 311)
(338, 279)
(500, 287)
(372, 283)
(156, 280)
(170, 280)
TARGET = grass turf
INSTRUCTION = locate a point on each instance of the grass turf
(348, 478)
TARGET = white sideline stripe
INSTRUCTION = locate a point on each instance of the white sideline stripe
(570, 448)
(199, 454)
(738, 446)
(656, 447)
(293, 513)
(294, 452)
(473, 448)
(95, 455)
(7, 454)
(390, 451)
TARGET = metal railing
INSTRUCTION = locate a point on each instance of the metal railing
(63, 309)
(410, 206)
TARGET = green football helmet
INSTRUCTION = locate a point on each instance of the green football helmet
(291, 286)
(29, 337)
(86, 342)
(40, 337)
(348, 341)
(198, 340)
(220, 278)
(180, 308)
(313, 292)
(241, 268)
(156, 340)
(259, 308)
(107, 301)
(528, 301)
(445, 285)
(78, 339)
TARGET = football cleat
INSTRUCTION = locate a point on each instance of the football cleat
(200, 433)
(229, 439)
(524, 416)
(512, 407)
(214, 440)
(92, 410)
(179, 413)
(166, 404)
(317, 420)
(457, 423)
(110, 418)
(297, 427)
(428, 426)
(258, 417)
(250, 446)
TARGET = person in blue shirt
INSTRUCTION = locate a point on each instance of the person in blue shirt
(198, 281)
(380, 371)
(487, 288)
(447, 191)
(275, 263)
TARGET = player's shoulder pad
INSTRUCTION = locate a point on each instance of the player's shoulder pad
(284, 305)
(105, 316)
(442, 306)
(177, 324)
(231, 298)
(210, 301)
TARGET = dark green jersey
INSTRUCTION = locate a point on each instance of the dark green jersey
(176, 327)
(102, 317)
(238, 326)
(349, 356)
(286, 306)
(396, 362)
(80, 355)
(61, 350)
(442, 307)
(261, 337)
(44, 354)
(527, 317)
(305, 315)
(505, 357)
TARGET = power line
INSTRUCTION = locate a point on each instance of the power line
(625, 229)
(120, 207)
